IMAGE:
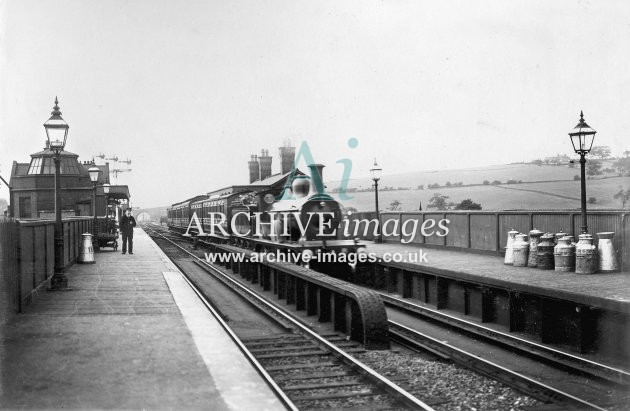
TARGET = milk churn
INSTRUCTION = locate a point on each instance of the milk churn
(509, 248)
(585, 255)
(559, 235)
(564, 254)
(521, 250)
(544, 253)
(86, 254)
(608, 262)
(534, 239)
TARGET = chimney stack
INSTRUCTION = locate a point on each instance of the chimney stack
(265, 164)
(287, 157)
(254, 169)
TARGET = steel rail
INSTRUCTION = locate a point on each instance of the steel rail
(563, 358)
(535, 388)
(385, 383)
(284, 399)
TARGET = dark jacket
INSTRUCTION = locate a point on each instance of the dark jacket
(127, 224)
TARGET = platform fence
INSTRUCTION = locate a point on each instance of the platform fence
(27, 258)
(486, 231)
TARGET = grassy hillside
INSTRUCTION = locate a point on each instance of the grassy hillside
(503, 173)
(540, 195)
(542, 187)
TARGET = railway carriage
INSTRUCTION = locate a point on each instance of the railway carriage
(292, 214)
(179, 214)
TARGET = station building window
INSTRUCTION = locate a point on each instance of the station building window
(46, 165)
(25, 207)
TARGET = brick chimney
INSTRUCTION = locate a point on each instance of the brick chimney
(265, 164)
(254, 169)
(287, 157)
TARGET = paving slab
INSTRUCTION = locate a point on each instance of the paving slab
(119, 340)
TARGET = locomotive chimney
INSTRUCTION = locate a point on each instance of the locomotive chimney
(317, 179)
(254, 169)
(265, 164)
(287, 157)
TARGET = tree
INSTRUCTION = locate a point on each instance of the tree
(592, 200)
(394, 205)
(593, 167)
(623, 196)
(602, 152)
(468, 204)
(623, 165)
(496, 182)
(486, 182)
(440, 202)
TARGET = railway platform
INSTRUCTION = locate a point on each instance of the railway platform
(584, 314)
(606, 290)
(130, 334)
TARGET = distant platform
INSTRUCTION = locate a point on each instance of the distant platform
(606, 290)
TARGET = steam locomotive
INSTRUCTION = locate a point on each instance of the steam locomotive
(291, 213)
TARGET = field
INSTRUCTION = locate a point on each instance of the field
(504, 172)
(540, 195)
(543, 187)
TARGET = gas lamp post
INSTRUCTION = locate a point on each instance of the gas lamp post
(56, 134)
(582, 137)
(94, 172)
(376, 172)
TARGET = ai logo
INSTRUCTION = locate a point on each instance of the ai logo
(305, 153)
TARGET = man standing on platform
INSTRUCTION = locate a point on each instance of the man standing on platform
(127, 223)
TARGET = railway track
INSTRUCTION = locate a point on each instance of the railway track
(569, 381)
(306, 370)
(527, 347)
(543, 372)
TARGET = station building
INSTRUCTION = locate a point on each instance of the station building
(32, 188)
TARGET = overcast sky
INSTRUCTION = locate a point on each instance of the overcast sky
(189, 89)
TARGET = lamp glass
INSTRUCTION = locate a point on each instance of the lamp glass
(56, 129)
(106, 188)
(376, 172)
(94, 172)
(587, 141)
(582, 136)
(56, 135)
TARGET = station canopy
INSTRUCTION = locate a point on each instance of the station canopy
(116, 192)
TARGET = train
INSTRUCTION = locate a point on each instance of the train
(288, 213)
